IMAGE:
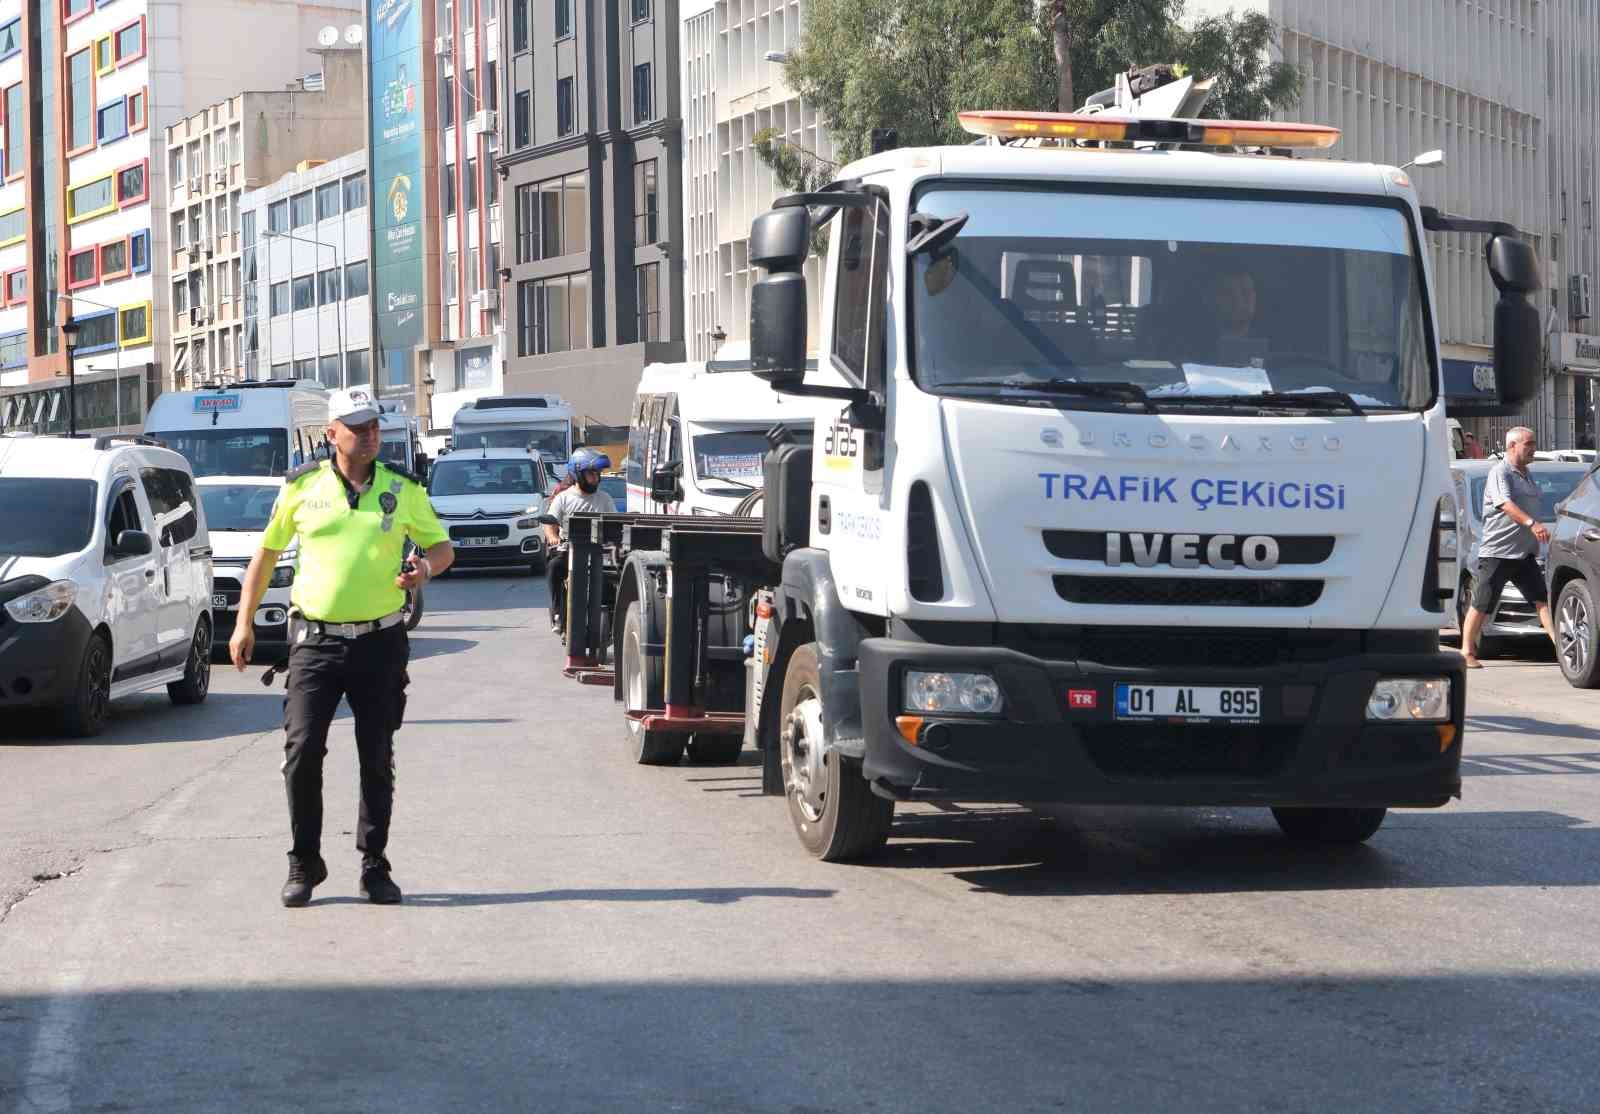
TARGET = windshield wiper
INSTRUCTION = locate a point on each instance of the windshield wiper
(1310, 400)
(730, 480)
(1115, 389)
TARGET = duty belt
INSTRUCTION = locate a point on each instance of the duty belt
(352, 630)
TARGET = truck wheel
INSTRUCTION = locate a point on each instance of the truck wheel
(196, 681)
(834, 811)
(1576, 645)
(413, 608)
(643, 687)
(715, 750)
(90, 706)
(1330, 825)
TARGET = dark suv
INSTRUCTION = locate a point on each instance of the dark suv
(1574, 571)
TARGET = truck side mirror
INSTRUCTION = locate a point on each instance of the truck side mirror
(664, 486)
(780, 240)
(1518, 353)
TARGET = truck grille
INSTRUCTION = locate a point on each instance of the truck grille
(1160, 591)
(1090, 545)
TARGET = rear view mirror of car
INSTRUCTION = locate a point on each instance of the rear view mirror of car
(132, 543)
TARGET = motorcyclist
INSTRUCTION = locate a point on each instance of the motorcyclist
(584, 469)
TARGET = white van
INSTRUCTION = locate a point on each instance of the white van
(105, 576)
(490, 500)
(238, 509)
(541, 423)
(252, 428)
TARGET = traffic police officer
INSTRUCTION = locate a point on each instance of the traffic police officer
(347, 636)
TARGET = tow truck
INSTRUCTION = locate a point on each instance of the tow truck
(1132, 492)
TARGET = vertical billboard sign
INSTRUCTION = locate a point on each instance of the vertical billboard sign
(394, 73)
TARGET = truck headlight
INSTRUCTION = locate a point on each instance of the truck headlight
(1410, 698)
(43, 605)
(282, 577)
(976, 694)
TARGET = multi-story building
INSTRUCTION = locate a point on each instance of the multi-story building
(304, 304)
(214, 158)
(592, 151)
(88, 89)
(734, 92)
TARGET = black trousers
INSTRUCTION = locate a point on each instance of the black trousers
(555, 576)
(370, 673)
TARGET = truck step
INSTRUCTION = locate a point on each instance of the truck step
(591, 676)
(703, 723)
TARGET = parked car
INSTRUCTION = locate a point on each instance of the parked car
(616, 486)
(1570, 456)
(105, 576)
(238, 509)
(1515, 617)
(1574, 571)
(489, 500)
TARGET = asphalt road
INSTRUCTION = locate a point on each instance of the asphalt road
(581, 934)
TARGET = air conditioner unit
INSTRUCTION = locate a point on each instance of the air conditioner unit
(196, 183)
(199, 315)
(220, 178)
(209, 250)
(487, 300)
(1578, 301)
(444, 44)
(485, 121)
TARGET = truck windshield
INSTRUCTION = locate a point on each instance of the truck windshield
(485, 476)
(231, 452)
(45, 517)
(1184, 297)
(546, 442)
(734, 455)
(393, 450)
(238, 506)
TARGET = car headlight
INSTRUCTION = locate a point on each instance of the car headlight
(282, 577)
(526, 523)
(976, 694)
(43, 605)
(1410, 698)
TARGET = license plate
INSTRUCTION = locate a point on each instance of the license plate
(219, 600)
(468, 543)
(1190, 703)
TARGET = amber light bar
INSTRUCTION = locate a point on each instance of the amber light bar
(1123, 129)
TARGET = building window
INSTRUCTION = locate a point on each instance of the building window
(328, 201)
(355, 280)
(491, 85)
(135, 325)
(301, 211)
(447, 102)
(553, 218)
(641, 10)
(80, 102)
(97, 333)
(13, 226)
(566, 116)
(450, 286)
(15, 125)
(111, 121)
(305, 369)
(449, 189)
(280, 298)
(14, 350)
(133, 184)
(647, 283)
(278, 216)
(328, 372)
(519, 26)
(130, 42)
(328, 286)
(104, 60)
(305, 292)
(644, 202)
(357, 367)
(113, 259)
(472, 185)
(355, 192)
(139, 252)
(138, 111)
(11, 37)
(90, 199)
(521, 119)
(75, 8)
(16, 286)
(82, 269)
(553, 315)
(643, 93)
(563, 18)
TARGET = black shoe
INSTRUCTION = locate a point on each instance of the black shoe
(377, 887)
(303, 878)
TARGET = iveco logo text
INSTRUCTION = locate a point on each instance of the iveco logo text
(1198, 442)
(1190, 551)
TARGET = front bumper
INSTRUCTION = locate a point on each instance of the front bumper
(270, 622)
(516, 549)
(39, 662)
(1514, 618)
(1313, 745)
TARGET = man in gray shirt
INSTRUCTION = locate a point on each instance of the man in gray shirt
(1512, 535)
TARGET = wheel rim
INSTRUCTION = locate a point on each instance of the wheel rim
(200, 661)
(804, 769)
(98, 699)
(633, 680)
(1573, 631)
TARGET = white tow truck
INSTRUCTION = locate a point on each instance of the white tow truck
(1134, 494)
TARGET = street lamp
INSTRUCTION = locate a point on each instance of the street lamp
(69, 340)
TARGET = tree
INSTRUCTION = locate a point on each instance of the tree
(1234, 48)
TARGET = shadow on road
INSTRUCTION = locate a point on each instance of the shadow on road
(705, 895)
(815, 1045)
(152, 718)
(1524, 725)
(424, 646)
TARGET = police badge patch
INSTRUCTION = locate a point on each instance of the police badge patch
(388, 502)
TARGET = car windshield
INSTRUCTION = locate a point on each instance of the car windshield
(544, 441)
(230, 452)
(735, 456)
(1046, 289)
(45, 517)
(392, 450)
(238, 506)
(454, 476)
(1555, 484)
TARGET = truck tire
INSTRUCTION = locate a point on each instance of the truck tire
(413, 608)
(834, 811)
(644, 687)
(1577, 647)
(715, 750)
(196, 681)
(90, 705)
(1330, 825)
